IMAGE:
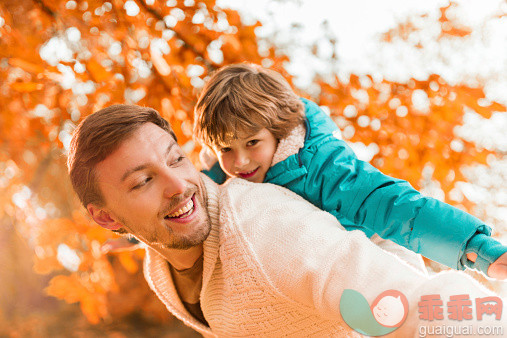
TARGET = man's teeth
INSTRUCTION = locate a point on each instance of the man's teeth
(189, 206)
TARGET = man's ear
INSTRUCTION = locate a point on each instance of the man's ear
(103, 218)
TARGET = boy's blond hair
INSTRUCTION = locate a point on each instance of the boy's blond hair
(245, 98)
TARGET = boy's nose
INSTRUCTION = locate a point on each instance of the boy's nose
(241, 160)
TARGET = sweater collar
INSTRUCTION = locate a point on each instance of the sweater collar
(157, 272)
(212, 243)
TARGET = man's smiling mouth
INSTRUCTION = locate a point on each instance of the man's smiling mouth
(184, 211)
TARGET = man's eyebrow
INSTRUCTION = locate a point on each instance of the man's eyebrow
(143, 166)
(133, 170)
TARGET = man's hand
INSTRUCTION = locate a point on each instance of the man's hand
(117, 245)
(497, 269)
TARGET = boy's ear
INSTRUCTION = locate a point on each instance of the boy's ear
(103, 218)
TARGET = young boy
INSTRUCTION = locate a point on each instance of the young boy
(260, 130)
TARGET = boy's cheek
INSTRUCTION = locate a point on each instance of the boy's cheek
(224, 164)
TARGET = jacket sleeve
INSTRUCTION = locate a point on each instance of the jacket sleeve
(487, 249)
(360, 194)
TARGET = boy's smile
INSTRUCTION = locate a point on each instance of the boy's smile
(248, 174)
(248, 156)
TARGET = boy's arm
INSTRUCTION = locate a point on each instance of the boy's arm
(393, 209)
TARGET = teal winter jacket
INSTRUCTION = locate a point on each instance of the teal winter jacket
(327, 173)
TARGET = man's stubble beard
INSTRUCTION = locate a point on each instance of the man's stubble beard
(180, 242)
(196, 238)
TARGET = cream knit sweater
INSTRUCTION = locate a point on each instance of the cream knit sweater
(290, 145)
(275, 265)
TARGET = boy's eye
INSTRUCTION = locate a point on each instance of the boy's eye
(225, 150)
(252, 143)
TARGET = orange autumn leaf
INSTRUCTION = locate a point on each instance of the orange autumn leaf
(160, 64)
(94, 308)
(460, 32)
(67, 288)
(231, 44)
(128, 261)
(46, 265)
(26, 65)
(98, 72)
(26, 87)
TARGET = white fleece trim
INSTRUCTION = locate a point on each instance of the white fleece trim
(290, 145)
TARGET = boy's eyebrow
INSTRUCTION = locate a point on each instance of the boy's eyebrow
(144, 165)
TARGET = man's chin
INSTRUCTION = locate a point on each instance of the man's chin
(185, 242)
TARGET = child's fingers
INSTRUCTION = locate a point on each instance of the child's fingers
(472, 256)
(498, 269)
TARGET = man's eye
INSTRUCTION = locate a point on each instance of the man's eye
(141, 183)
(252, 143)
(179, 159)
(225, 150)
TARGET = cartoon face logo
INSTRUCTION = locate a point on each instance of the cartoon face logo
(387, 312)
(390, 308)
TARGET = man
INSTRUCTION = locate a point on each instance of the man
(265, 252)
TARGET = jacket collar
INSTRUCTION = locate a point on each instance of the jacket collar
(292, 167)
(317, 128)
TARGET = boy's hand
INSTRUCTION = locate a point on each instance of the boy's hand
(497, 269)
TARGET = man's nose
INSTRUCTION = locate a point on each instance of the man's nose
(173, 183)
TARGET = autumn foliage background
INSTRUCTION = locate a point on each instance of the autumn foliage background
(62, 60)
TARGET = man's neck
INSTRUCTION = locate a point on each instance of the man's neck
(181, 259)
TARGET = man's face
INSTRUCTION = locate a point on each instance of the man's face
(153, 191)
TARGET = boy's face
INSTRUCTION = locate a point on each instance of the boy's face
(247, 156)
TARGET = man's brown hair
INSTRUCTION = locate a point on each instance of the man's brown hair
(247, 98)
(98, 136)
